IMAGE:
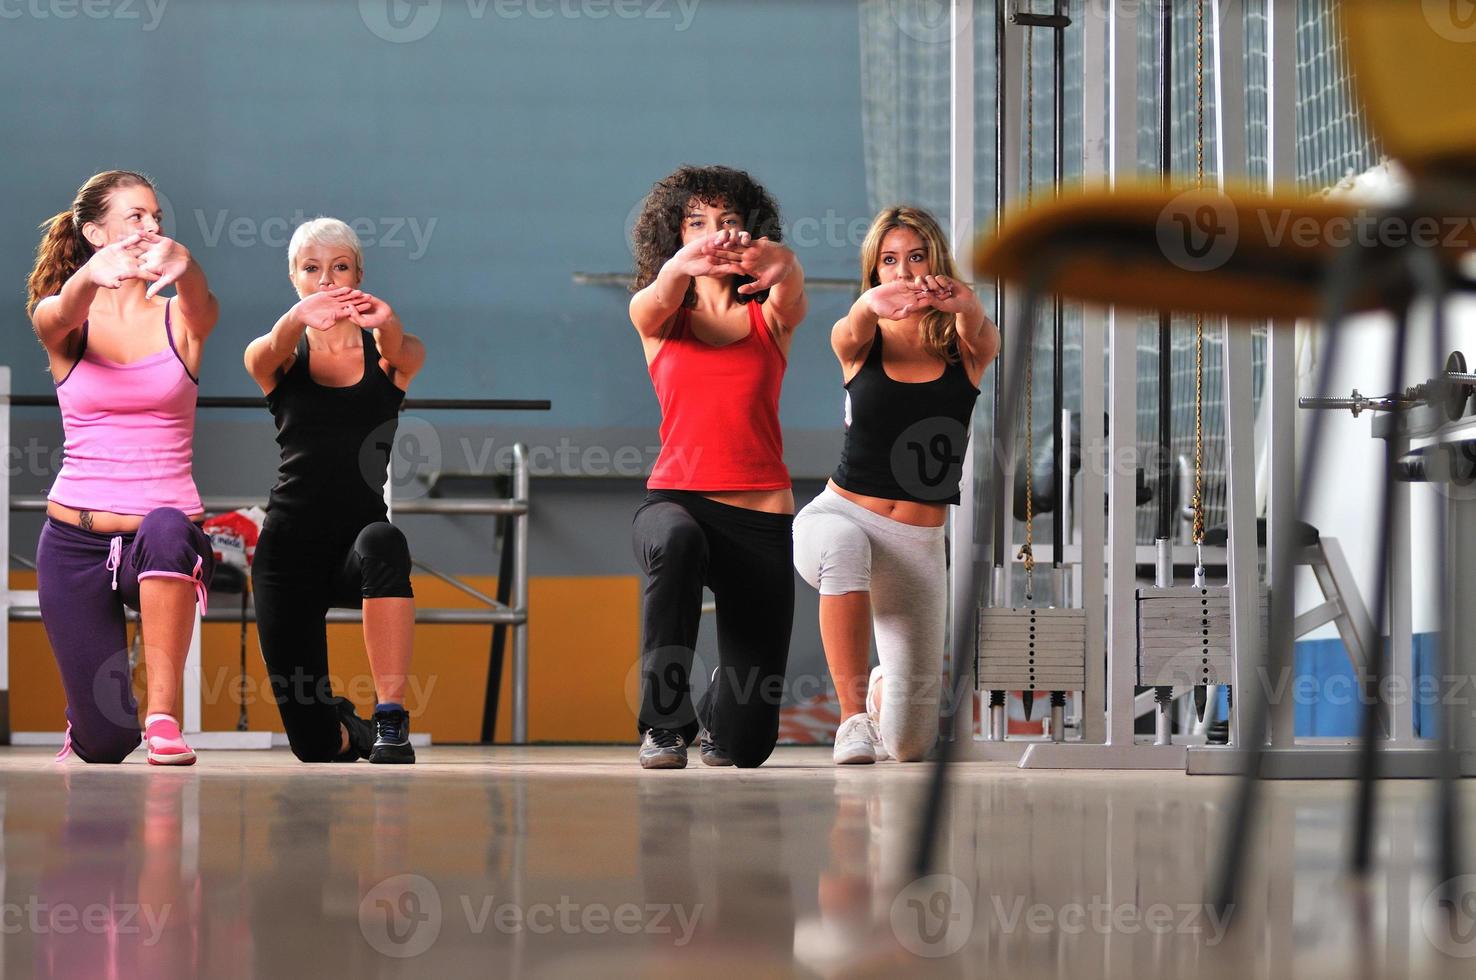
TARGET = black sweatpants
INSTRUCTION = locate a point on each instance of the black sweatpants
(301, 570)
(684, 541)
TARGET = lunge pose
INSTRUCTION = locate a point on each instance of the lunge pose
(912, 351)
(122, 518)
(334, 369)
(717, 300)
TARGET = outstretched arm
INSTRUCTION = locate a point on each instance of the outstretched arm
(854, 332)
(713, 255)
(57, 319)
(402, 351)
(168, 263)
(775, 268)
(977, 335)
(268, 354)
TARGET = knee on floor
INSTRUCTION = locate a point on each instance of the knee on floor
(106, 747)
(383, 542)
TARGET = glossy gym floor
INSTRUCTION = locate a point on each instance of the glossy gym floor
(573, 861)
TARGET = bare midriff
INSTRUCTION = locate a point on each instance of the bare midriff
(766, 501)
(101, 521)
(901, 511)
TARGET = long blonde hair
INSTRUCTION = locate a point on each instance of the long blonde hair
(939, 329)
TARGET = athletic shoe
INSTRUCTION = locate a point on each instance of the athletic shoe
(663, 748)
(873, 696)
(873, 711)
(360, 732)
(855, 743)
(711, 754)
(392, 737)
(166, 745)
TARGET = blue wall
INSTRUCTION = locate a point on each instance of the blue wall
(515, 145)
(1329, 703)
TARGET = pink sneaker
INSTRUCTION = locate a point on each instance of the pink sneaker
(166, 745)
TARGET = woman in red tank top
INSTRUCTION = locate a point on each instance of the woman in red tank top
(717, 300)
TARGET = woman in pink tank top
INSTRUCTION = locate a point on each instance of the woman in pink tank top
(717, 300)
(122, 516)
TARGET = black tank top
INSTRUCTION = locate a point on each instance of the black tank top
(335, 442)
(906, 441)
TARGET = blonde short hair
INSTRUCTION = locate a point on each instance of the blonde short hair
(324, 231)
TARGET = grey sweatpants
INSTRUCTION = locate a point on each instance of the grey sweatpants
(841, 547)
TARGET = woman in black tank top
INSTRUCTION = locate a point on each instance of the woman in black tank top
(334, 370)
(912, 350)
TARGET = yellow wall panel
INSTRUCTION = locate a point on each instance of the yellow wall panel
(583, 640)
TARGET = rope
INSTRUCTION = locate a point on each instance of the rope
(1198, 534)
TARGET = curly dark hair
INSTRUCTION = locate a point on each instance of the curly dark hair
(658, 231)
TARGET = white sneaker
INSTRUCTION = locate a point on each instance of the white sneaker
(873, 711)
(854, 742)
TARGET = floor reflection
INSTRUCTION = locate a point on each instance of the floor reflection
(559, 861)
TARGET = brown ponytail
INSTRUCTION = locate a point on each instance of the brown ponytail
(63, 249)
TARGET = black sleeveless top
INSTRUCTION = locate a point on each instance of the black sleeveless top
(906, 441)
(335, 442)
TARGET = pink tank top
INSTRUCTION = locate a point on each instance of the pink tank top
(130, 432)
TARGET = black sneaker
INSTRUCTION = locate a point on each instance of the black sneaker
(663, 748)
(392, 738)
(711, 754)
(360, 732)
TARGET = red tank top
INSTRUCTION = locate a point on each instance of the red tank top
(719, 410)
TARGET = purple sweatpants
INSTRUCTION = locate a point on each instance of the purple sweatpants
(85, 579)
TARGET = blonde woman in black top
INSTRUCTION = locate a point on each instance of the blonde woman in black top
(334, 370)
(912, 350)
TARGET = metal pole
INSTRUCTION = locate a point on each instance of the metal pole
(1165, 320)
(1281, 507)
(957, 706)
(1009, 98)
(1059, 473)
(1122, 622)
(1093, 704)
(5, 596)
(520, 597)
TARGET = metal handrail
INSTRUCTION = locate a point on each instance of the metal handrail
(408, 405)
(433, 617)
